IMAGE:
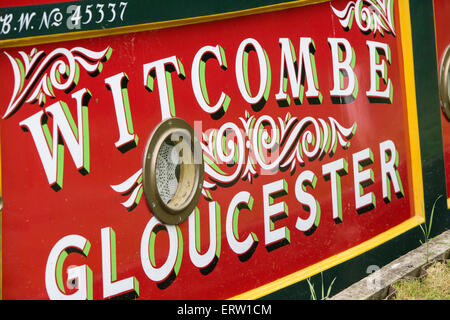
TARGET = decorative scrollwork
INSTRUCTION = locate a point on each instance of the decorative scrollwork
(37, 75)
(131, 187)
(370, 16)
(260, 146)
(232, 153)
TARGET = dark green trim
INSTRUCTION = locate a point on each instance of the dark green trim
(135, 12)
(429, 112)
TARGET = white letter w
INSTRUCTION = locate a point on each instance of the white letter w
(65, 132)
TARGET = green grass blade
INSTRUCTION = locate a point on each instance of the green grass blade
(311, 290)
(431, 216)
(329, 288)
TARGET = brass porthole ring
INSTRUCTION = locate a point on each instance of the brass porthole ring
(172, 171)
(444, 83)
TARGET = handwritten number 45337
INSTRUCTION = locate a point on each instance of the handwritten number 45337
(78, 15)
(103, 12)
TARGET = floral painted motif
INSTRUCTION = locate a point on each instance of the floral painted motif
(37, 74)
(370, 16)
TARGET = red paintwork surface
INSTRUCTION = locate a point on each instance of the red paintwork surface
(441, 14)
(35, 217)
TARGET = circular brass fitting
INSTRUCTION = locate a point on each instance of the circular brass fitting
(172, 171)
(444, 83)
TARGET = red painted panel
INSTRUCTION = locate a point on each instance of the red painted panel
(441, 16)
(36, 217)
